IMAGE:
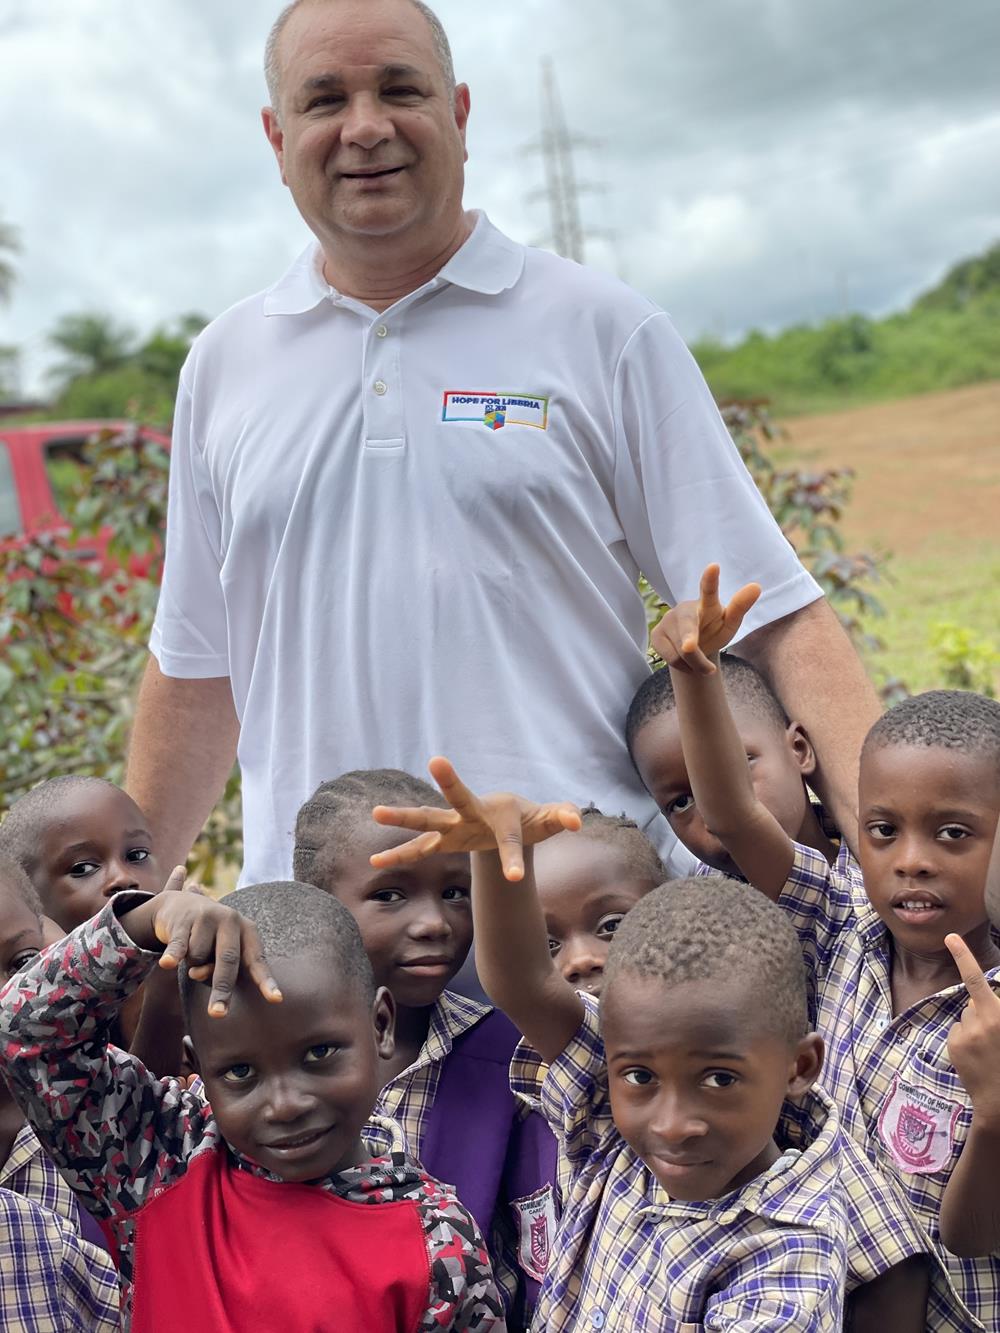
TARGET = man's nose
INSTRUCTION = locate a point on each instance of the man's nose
(121, 876)
(287, 1101)
(366, 122)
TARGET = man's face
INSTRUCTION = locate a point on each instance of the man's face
(369, 138)
(696, 1087)
(291, 1084)
(416, 920)
(97, 843)
(927, 818)
(779, 760)
(586, 888)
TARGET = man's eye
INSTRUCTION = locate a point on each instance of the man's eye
(638, 1078)
(330, 99)
(680, 805)
(136, 855)
(455, 893)
(22, 960)
(322, 1051)
(609, 924)
(719, 1078)
(238, 1073)
(401, 92)
(80, 869)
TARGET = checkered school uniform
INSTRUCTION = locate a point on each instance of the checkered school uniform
(628, 1257)
(30, 1171)
(47, 1278)
(897, 1092)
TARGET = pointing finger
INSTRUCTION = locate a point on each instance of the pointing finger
(970, 971)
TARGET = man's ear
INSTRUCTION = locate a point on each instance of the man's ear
(801, 747)
(190, 1054)
(462, 104)
(808, 1063)
(384, 1021)
(275, 137)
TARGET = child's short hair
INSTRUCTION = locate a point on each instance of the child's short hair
(326, 825)
(638, 853)
(27, 818)
(745, 686)
(14, 879)
(949, 719)
(294, 920)
(709, 928)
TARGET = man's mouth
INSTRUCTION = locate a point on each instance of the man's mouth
(370, 173)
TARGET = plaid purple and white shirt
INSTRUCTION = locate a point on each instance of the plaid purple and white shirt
(49, 1282)
(897, 1092)
(771, 1255)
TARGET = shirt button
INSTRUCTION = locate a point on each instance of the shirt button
(380, 387)
(381, 331)
(597, 1319)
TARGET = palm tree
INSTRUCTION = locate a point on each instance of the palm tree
(92, 343)
(9, 245)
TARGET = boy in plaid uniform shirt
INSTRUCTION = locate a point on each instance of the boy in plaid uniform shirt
(709, 1177)
(878, 939)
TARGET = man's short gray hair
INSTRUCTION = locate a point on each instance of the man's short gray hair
(272, 64)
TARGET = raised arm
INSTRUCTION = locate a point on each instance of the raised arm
(970, 1208)
(512, 950)
(689, 638)
(182, 751)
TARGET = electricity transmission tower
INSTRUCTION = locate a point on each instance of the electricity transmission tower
(561, 186)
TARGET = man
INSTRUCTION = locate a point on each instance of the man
(413, 483)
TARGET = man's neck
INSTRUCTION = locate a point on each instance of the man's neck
(379, 272)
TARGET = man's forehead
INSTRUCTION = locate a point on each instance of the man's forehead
(352, 33)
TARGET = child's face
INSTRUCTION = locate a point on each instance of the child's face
(291, 1084)
(416, 921)
(779, 762)
(585, 887)
(20, 942)
(927, 819)
(97, 843)
(696, 1087)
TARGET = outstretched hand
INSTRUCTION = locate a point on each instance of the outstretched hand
(691, 633)
(974, 1041)
(500, 822)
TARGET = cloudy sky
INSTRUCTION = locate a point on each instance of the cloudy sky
(751, 162)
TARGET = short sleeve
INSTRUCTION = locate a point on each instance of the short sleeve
(189, 637)
(683, 494)
(821, 901)
(573, 1089)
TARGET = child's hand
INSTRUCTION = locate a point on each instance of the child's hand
(974, 1041)
(216, 941)
(693, 632)
(501, 822)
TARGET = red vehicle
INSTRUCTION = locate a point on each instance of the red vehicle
(38, 467)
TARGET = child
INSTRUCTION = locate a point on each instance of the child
(710, 1179)
(587, 882)
(24, 1167)
(260, 1206)
(447, 1082)
(80, 840)
(887, 988)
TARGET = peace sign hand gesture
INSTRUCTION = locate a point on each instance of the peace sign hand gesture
(974, 1041)
(691, 633)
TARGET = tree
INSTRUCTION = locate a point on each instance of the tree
(9, 246)
(92, 344)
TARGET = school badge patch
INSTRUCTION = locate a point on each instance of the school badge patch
(918, 1128)
(494, 409)
(536, 1225)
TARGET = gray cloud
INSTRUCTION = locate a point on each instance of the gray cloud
(758, 162)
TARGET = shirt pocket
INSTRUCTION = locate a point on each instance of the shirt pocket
(924, 1119)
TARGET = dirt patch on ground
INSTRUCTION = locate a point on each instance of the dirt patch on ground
(926, 467)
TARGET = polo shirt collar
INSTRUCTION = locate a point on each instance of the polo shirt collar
(488, 263)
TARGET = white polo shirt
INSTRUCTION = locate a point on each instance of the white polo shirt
(419, 532)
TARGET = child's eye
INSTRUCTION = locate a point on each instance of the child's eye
(719, 1078)
(638, 1078)
(387, 896)
(554, 946)
(609, 924)
(322, 1051)
(21, 960)
(455, 893)
(137, 855)
(680, 805)
(881, 831)
(952, 833)
(81, 869)
(240, 1073)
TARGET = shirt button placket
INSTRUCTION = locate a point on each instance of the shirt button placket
(383, 401)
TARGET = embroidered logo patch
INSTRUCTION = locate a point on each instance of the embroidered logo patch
(918, 1127)
(536, 1225)
(495, 409)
